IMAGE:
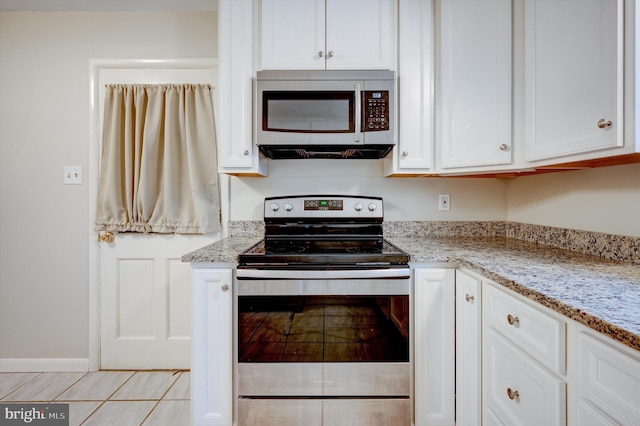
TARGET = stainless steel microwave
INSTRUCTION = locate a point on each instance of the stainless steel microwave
(325, 114)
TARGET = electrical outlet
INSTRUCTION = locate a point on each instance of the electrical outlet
(444, 202)
(73, 175)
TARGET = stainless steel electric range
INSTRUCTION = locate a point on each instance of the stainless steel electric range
(322, 317)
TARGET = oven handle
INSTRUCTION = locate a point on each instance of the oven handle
(313, 274)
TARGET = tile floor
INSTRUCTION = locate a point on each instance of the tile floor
(151, 398)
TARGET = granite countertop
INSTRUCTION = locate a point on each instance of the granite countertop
(601, 294)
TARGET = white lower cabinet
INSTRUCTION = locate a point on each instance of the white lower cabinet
(588, 415)
(532, 330)
(517, 388)
(535, 366)
(468, 349)
(211, 346)
(434, 319)
(609, 381)
(523, 361)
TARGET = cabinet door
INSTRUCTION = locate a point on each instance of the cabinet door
(211, 347)
(518, 389)
(468, 349)
(434, 346)
(610, 378)
(236, 152)
(360, 34)
(293, 34)
(413, 153)
(476, 83)
(573, 77)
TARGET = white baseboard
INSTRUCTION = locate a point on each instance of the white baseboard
(48, 365)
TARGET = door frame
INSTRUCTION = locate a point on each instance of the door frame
(95, 66)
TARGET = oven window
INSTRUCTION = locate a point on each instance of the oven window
(323, 329)
(308, 111)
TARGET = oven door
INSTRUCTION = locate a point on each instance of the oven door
(300, 337)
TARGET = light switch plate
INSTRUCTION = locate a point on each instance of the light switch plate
(73, 175)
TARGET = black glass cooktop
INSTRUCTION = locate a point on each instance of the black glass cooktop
(327, 252)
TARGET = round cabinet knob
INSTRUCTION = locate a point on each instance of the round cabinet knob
(513, 320)
(603, 123)
(274, 207)
(372, 207)
(245, 152)
(320, 53)
(225, 287)
(330, 54)
(512, 394)
(405, 153)
(504, 147)
(358, 207)
(469, 298)
(288, 207)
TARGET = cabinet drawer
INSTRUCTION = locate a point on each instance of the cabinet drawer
(609, 379)
(282, 412)
(532, 330)
(588, 415)
(518, 389)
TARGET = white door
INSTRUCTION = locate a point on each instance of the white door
(145, 290)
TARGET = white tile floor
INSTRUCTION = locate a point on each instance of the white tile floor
(123, 398)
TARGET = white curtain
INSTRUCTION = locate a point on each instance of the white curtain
(158, 168)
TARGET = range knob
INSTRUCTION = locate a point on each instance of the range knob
(372, 207)
(275, 207)
(288, 207)
(358, 207)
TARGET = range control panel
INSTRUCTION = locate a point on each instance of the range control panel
(375, 105)
(333, 206)
(323, 204)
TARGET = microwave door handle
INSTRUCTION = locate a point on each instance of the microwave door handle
(358, 113)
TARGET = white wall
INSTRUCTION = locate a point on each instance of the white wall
(44, 126)
(404, 198)
(603, 200)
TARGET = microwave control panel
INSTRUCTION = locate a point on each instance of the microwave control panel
(375, 105)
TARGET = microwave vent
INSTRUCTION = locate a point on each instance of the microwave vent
(346, 152)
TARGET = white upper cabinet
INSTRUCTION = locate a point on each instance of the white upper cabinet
(414, 150)
(475, 81)
(327, 34)
(574, 64)
(236, 151)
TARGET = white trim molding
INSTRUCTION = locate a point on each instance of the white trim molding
(46, 365)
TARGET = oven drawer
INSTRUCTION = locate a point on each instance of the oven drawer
(324, 379)
(279, 412)
(318, 412)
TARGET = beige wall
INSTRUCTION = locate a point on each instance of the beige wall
(604, 200)
(44, 126)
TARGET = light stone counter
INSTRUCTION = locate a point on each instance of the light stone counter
(602, 291)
